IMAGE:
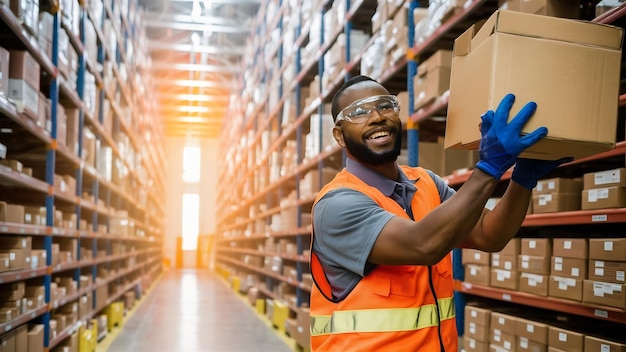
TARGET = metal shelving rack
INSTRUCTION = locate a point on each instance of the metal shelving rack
(141, 259)
(235, 239)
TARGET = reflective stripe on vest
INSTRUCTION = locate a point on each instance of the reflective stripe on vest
(381, 320)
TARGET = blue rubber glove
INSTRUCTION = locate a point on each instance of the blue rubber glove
(501, 142)
(528, 171)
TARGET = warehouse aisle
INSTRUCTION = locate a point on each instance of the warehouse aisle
(195, 310)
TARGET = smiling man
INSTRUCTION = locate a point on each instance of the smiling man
(382, 233)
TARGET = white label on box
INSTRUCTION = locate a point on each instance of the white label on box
(558, 266)
(551, 185)
(567, 244)
(599, 264)
(497, 337)
(530, 328)
(599, 271)
(539, 186)
(575, 272)
(508, 265)
(605, 348)
(608, 246)
(476, 256)
(12, 256)
(525, 264)
(495, 262)
(592, 196)
(473, 271)
(507, 345)
(523, 342)
(472, 328)
(562, 337)
(532, 244)
(542, 200)
(604, 177)
(503, 275)
(473, 314)
(565, 282)
(472, 344)
(501, 321)
(619, 276)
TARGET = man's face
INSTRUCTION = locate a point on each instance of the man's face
(375, 140)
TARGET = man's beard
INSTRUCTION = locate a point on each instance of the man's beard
(363, 154)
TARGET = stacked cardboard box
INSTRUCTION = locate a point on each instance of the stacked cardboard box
(557, 195)
(504, 266)
(604, 189)
(607, 265)
(433, 78)
(477, 328)
(534, 265)
(476, 265)
(569, 268)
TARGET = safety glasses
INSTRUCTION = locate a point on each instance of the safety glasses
(361, 110)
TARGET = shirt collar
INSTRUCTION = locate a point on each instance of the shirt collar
(385, 185)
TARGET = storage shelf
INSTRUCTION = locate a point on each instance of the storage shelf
(579, 217)
(612, 15)
(22, 274)
(295, 258)
(267, 273)
(22, 319)
(555, 304)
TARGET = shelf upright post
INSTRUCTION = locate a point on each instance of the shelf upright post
(348, 35)
(80, 90)
(412, 128)
(279, 113)
(299, 157)
(95, 185)
(50, 170)
(320, 107)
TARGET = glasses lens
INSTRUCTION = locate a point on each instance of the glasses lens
(361, 110)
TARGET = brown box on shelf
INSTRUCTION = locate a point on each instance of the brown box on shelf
(532, 330)
(432, 78)
(593, 344)
(606, 178)
(505, 341)
(603, 198)
(558, 185)
(24, 82)
(477, 274)
(556, 202)
(570, 247)
(11, 213)
(534, 264)
(513, 247)
(5, 262)
(17, 258)
(504, 261)
(540, 247)
(13, 164)
(613, 272)
(612, 249)
(604, 293)
(533, 283)
(569, 267)
(35, 338)
(473, 345)
(504, 279)
(480, 316)
(474, 256)
(524, 344)
(566, 340)
(499, 58)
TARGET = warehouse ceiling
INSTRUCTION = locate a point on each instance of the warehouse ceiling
(195, 48)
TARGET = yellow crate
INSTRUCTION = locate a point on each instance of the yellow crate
(88, 339)
(281, 313)
(115, 314)
(260, 306)
(236, 283)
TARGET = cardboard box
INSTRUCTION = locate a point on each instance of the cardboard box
(504, 279)
(540, 247)
(479, 316)
(523, 54)
(613, 272)
(604, 293)
(504, 261)
(505, 341)
(477, 332)
(477, 274)
(570, 248)
(603, 198)
(569, 267)
(606, 178)
(533, 283)
(11, 213)
(513, 247)
(558, 185)
(534, 264)
(532, 330)
(35, 338)
(470, 344)
(474, 256)
(556, 202)
(433, 156)
(432, 78)
(596, 344)
(612, 249)
(524, 344)
(564, 339)
(554, 8)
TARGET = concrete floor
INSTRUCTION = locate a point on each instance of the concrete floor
(195, 310)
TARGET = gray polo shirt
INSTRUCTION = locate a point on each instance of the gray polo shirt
(347, 224)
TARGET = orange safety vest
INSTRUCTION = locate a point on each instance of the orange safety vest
(392, 308)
